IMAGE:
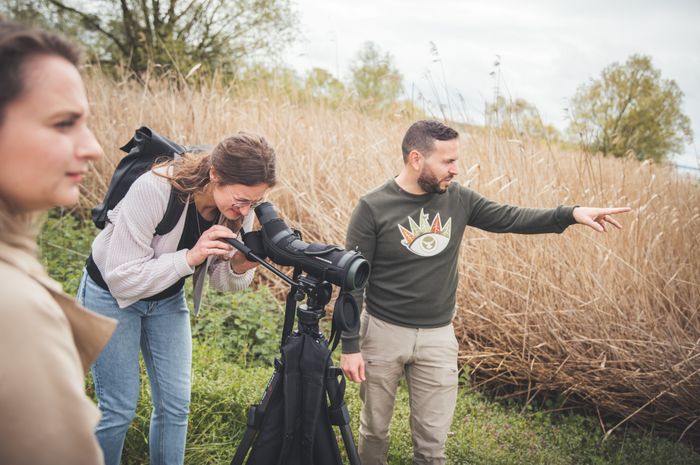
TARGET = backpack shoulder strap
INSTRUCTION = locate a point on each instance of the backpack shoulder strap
(175, 204)
(172, 215)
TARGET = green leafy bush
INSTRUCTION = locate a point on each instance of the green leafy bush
(64, 246)
(245, 325)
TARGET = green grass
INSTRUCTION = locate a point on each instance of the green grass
(236, 338)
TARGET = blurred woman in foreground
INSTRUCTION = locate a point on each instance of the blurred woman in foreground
(47, 341)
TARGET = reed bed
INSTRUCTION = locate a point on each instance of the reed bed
(608, 319)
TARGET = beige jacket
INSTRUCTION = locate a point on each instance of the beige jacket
(47, 344)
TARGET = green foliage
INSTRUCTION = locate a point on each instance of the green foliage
(375, 80)
(246, 326)
(630, 109)
(487, 432)
(322, 85)
(520, 117)
(64, 245)
(271, 80)
(40, 13)
(179, 34)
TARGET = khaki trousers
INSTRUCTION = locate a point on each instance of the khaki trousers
(428, 359)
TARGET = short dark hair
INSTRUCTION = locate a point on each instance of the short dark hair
(421, 136)
(18, 44)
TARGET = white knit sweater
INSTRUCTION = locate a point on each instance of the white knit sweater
(137, 264)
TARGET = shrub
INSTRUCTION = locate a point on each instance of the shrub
(245, 325)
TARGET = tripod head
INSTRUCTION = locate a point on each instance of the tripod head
(318, 292)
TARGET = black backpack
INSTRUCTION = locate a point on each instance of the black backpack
(143, 150)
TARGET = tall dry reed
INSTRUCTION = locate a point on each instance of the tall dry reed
(611, 318)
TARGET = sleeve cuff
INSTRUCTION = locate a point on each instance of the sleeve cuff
(238, 275)
(351, 344)
(564, 216)
(180, 262)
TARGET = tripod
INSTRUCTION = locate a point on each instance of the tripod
(292, 424)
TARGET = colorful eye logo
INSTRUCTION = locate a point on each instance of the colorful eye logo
(429, 244)
(426, 239)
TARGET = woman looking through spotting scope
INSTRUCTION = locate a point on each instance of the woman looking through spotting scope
(137, 276)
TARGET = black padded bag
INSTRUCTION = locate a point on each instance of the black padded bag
(143, 150)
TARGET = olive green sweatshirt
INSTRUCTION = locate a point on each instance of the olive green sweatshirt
(412, 243)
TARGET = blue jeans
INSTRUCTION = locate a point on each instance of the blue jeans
(160, 330)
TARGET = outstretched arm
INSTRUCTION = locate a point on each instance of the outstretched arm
(599, 218)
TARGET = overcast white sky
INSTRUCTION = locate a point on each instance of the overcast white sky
(547, 48)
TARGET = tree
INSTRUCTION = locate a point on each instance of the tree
(375, 80)
(322, 85)
(521, 117)
(273, 80)
(220, 34)
(630, 109)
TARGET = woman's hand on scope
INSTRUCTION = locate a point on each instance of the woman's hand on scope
(240, 264)
(209, 244)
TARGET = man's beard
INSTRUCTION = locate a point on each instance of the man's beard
(430, 183)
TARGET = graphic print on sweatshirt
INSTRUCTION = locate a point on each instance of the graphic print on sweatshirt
(426, 239)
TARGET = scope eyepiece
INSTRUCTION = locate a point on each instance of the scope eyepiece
(275, 240)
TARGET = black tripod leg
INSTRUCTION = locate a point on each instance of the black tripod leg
(244, 446)
(339, 412)
(256, 415)
(349, 442)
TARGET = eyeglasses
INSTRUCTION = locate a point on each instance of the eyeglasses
(243, 203)
(238, 203)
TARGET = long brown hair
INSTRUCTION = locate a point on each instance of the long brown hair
(243, 158)
(18, 44)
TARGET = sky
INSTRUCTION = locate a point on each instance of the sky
(546, 49)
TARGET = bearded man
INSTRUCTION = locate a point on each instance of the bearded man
(410, 229)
